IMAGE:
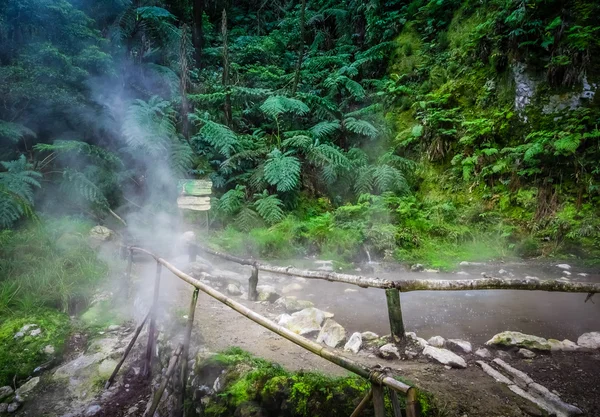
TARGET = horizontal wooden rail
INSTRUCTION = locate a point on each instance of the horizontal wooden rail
(346, 363)
(493, 283)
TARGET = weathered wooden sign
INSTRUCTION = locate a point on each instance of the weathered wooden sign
(194, 194)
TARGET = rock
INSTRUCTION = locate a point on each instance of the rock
(18, 335)
(249, 409)
(113, 327)
(369, 336)
(5, 391)
(483, 353)
(519, 339)
(92, 410)
(291, 304)
(502, 272)
(233, 289)
(503, 354)
(420, 341)
(411, 354)
(305, 321)
(417, 268)
(349, 290)
(582, 274)
(436, 341)
(462, 273)
(460, 346)
(3, 408)
(35, 332)
(325, 268)
(332, 334)
(101, 233)
(465, 263)
(188, 237)
(432, 271)
(12, 407)
(78, 366)
(589, 340)
(26, 328)
(526, 353)
(106, 368)
(24, 390)
(354, 343)
(529, 277)
(389, 351)
(444, 357)
(267, 293)
(567, 273)
(569, 346)
(291, 288)
(564, 266)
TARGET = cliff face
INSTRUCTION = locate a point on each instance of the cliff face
(499, 101)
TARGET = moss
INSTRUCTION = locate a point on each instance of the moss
(101, 315)
(20, 356)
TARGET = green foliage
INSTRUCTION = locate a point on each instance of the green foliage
(282, 170)
(19, 356)
(16, 190)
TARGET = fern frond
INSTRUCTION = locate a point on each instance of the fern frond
(231, 202)
(247, 219)
(299, 142)
(361, 127)
(325, 129)
(364, 180)
(282, 170)
(274, 106)
(14, 131)
(76, 183)
(221, 137)
(269, 207)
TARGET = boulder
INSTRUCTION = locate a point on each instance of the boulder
(418, 340)
(354, 343)
(5, 391)
(3, 408)
(589, 340)
(349, 290)
(389, 351)
(249, 409)
(291, 304)
(483, 353)
(462, 273)
(369, 336)
(436, 341)
(92, 410)
(526, 353)
(305, 321)
(458, 345)
(106, 368)
(24, 390)
(12, 407)
(267, 293)
(445, 357)
(569, 346)
(466, 263)
(233, 289)
(326, 266)
(564, 266)
(188, 237)
(35, 332)
(519, 339)
(101, 233)
(291, 288)
(417, 268)
(332, 334)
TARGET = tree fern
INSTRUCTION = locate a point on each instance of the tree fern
(77, 185)
(269, 207)
(17, 183)
(361, 127)
(282, 170)
(326, 129)
(222, 138)
(231, 202)
(275, 106)
(149, 127)
(14, 131)
(247, 219)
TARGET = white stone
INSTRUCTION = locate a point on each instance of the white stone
(113, 327)
(436, 341)
(305, 321)
(5, 392)
(12, 407)
(589, 340)
(18, 335)
(291, 304)
(582, 274)
(35, 332)
(519, 339)
(567, 273)
(462, 273)
(49, 350)
(106, 368)
(368, 336)
(466, 263)
(101, 233)
(3, 408)
(483, 353)
(445, 357)
(354, 343)
(349, 290)
(92, 410)
(417, 268)
(24, 390)
(526, 353)
(332, 334)
(389, 351)
(267, 293)
(291, 288)
(569, 346)
(233, 289)
(502, 272)
(432, 271)
(188, 237)
(564, 266)
(458, 345)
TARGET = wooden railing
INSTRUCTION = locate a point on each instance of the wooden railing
(378, 378)
(394, 288)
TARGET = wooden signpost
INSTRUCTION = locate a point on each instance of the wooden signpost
(195, 195)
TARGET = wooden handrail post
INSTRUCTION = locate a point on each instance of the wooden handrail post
(378, 400)
(395, 314)
(412, 406)
(152, 329)
(252, 284)
(153, 405)
(128, 273)
(395, 403)
(186, 351)
(361, 406)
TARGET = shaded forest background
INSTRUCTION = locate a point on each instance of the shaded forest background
(417, 130)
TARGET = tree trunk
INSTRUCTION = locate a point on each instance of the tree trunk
(227, 106)
(198, 37)
(301, 48)
(184, 82)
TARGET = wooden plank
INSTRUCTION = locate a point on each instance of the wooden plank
(395, 403)
(378, 400)
(194, 203)
(363, 404)
(395, 313)
(195, 187)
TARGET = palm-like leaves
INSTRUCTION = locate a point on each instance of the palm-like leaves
(282, 170)
(269, 207)
(16, 190)
(275, 106)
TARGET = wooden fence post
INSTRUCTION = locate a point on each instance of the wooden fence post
(128, 273)
(395, 314)
(186, 351)
(153, 404)
(412, 406)
(152, 329)
(378, 400)
(361, 406)
(252, 284)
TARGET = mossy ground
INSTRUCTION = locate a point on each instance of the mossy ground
(252, 383)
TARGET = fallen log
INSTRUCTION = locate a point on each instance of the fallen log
(530, 284)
